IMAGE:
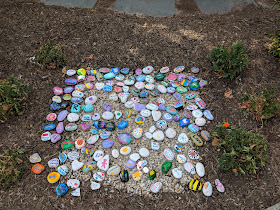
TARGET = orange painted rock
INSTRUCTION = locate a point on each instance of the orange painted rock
(38, 168)
(53, 177)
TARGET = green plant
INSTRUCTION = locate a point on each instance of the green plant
(274, 49)
(240, 150)
(50, 56)
(12, 96)
(10, 168)
(229, 62)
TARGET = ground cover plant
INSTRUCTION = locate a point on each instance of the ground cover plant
(13, 93)
(229, 61)
(50, 56)
(242, 152)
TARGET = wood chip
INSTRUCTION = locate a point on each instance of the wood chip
(228, 94)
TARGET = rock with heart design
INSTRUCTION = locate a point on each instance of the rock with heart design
(123, 96)
(161, 124)
(124, 138)
(91, 100)
(99, 85)
(103, 164)
(76, 165)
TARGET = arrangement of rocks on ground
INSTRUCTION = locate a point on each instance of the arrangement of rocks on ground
(134, 131)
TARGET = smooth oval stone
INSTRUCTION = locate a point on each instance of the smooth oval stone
(87, 151)
(177, 118)
(115, 153)
(137, 175)
(79, 144)
(181, 89)
(99, 155)
(196, 139)
(148, 135)
(91, 100)
(185, 83)
(93, 131)
(164, 70)
(189, 168)
(207, 189)
(171, 90)
(179, 69)
(178, 105)
(130, 164)
(192, 107)
(95, 186)
(187, 114)
(56, 99)
(197, 113)
(200, 121)
(63, 170)
(107, 88)
(67, 144)
(143, 94)
(80, 87)
(141, 164)
(99, 124)
(99, 176)
(124, 138)
(155, 188)
(145, 113)
(129, 104)
(95, 116)
(55, 137)
(114, 170)
(200, 103)
(86, 118)
(54, 106)
(168, 154)
(208, 115)
(139, 107)
(125, 150)
(134, 157)
(193, 154)
(158, 135)
(71, 127)
(122, 124)
(125, 70)
(76, 165)
(178, 148)
(183, 138)
(99, 85)
(75, 108)
(161, 107)
(193, 128)
(76, 99)
(53, 163)
(37, 168)
(159, 77)
(152, 107)
(177, 173)
(200, 170)
(57, 91)
(107, 115)
(168, 117)
(181, 158)
(53, 177)
(61, 190)
(115, 70)
(89, 166)
(73, 183)
(203, 83)
(46, 136)
(190, 96)
(170, 133)
(174, 84)
(184, 122)
(144, 152)
(161, 89)
(107, 107)
(51, 116)
(71, 72)
(72, 117)
(85, 126)
(108, 143)
(161, 124)
(141, 78)
(113, 97)
(220, 187)
(119, 77)
(35, 158)
(89, 86)
(93, 139)
(109, 75)
(70, 81)
(150, 86)
(181, 77)
(205, 135)
(110, 126)
(104, 70)
(155, 145)
(147, 69)
(81, 71)
(165, 167)
(172, 77)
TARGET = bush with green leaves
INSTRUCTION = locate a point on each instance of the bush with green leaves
(274, 49)
(13, 94)
(240, 150)
(229, 62)
(50, 56)
(10, 167)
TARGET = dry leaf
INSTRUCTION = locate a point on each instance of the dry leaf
(64, 71)
(88, 68)
(6, 107)
(52, 66)
(195, 176)
(243, 105)
(258, 176)
(228, 94)
(90, 57)
(215, 141)
(19, 161)
(144, 26)
(220, 76)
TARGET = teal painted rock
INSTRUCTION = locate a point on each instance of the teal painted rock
(159, 77)
(181, 89)
(135, 92)
(109, 75)
(75, 108)
(164, 83)
(71, 127)
(166, 166)
(67, 144)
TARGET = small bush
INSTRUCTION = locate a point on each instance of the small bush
(10, 169)
(274, 37)
(229, 62)
(12, 96)
(240, 150)
(50, 56)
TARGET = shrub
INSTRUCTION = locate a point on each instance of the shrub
(50, 56)
(229, 62)
(274, 37)
(241, 151)
(10, 168)
(12, 96)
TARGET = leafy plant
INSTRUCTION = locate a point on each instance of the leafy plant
(10, 168)
(12, 96)
(50, 56)
(241, 151)
(229, 62)
(274, 37)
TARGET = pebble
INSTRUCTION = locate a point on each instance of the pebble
(90, 100)
(149, 79)
(115, 70)
(146, 170)
(51, 116)
(108, 143)
(35, 158)
(158, 135)
(72, 117)
(95, 186)
(197, 113)
(181, 158)
(184, 122)
(80, 143)
(134, 157)
(70, 72)
(193, 128)
(193, 155)
(161, 107)
(53, 163)
(161, 89)
(177, 173)
(144, 152)
(155, 145)
(171, 90)
(150, 86)
(141, 164)
(138, 71)
(37, 168)
(152, 107)
(99, 85)
(189, 168)
(156, 115)
(125, 70)
(123, 96)
(220, 187)
(168, 154)
(123, 124)
(87, 151)
(46, 136)
(104, 70)
(61, 190)
(200, 121)
(67, 144)
(171, 110)
(49, 127)
(161, 124)
(99, 176)
(145, 113)
(148, 70)
(76, 192)
(103, 164)
(155, 188)
(208, 115)
(203, 83)
(168, 117)
(172, 77)
(55, 137)
(200, 103)
(130, 164)
(98, 155)
(152, 129)
(200, 170)
(73, 155)
(170, 133)
(120, 77)
(124, 176)
(57, 91)
(107, 115)
(114, 171)
(53, 177)
(187, 114)
(137, 175)
(62, 157)
(205, 135)
(159, 76)
(207, 189)
(138, 106)
(115, 153)
(93, 139)
(137, 133)
(164, 70)
(190, 96)
(125, 150)
(56, 99)
(124, 138)
(183, 138)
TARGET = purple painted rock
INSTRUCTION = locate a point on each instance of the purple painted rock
(161, 107)
(57, 91)
(130, 164)
(85, 126)
(181, 77)
(70, 81)
(171, 90)
(124, 138)
(203, 83)
(108, 143)
(177, 118)
(107, 107)
(177, 96)
(55, 137)
(60, 127)
(104, 70)
(187, 114)
(139, 107)
(138, 71)
(61, 116)
(68, 89)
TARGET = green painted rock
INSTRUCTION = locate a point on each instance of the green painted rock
(164, 83)
(194, 85)
(135, 92)
(67, 144)
(166, 166)
(89, 166)
(181, 89)
(71, 127)
(110, 126)
(128, 113)
(152, 174)
(159, 77)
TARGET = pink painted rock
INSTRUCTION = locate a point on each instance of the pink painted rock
(85, 126)
(60, 127)
(57, 91)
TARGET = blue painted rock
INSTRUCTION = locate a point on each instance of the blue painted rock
(124, 138)
(125, 70)
(109, 75)
(86, 117)
(108, 143)
(168, 117)
(93, 131)
(70, 81)
(68, 89)
(107, 88)
(55, 137)
(61, 190)
(184, 122)
(185, 83)
(88, 108)
(105, 134)
(177, 96)
(161, 124)
(130, 164)
(49, 127)
(107, 107)
(63, 170)
(205, 135)
(193, 128)
(194, 70)
(71, 127)
(190, 96)
(120, 77)
(192, 78)
(170, 110)
(178, 148)
(54, 106)
(115, 70)
(177, 118)
(143, 94)
(85, 126)
(61, 116)
(208, 115)
(122, 124)
(141, 78)
(171, 90)
(178, 105)
(179, 69)
(76, 99)
(75, 108)
(99, 124)
(194, 85)
(174, 84)
(161, 107)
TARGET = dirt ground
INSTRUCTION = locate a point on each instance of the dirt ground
(117, 39)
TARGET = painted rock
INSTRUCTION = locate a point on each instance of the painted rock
(194, 85)
(61, 116)
(200, 103)
(137, 133)
(208, 115)
(181, 158)
(91, 100)
(181, 90)
(107, 88)
(75, 108)
(37, 168)
(205, 135)
(113, 97)
(200, 170)
(197, 113)
(60, 127)
(181, 77)
(139, 107)
(124, 138)
(109, 75)
(159, 77)
(71, 72)
(161, 124)
(187, 114)
(80, 143)
(66, 97)
(164, 70)
(183, 138)
(203, 83)
(93, 131)
(114, 170)
(145, 113)
(158, 135)
(130, 164)
(137, 175)
(49, 127)
(124, 176)
(156, 115)
(54, 106)
(98, 155)
(149, 79)
(161, 89)
(95, 186)
(68, 89)
(53, 163)
(172, 77)
(138, 71)
(178, 148)
(73, 155)
(125, 150)
(88, 108)
(195, 185)
(193, 155)
(86, 118)
(99, 85)
(80, 87)
(168, 154)
(189, 168)
(123, 124)
(56, 99)
(89, 166)
(134, 157)
(76, 99)
(77, 94)
(87, 151)
(76, 165)
(57, 91)
(177, 173)
(73, 183)
(166, 166)
(46, 136)
(104, 70)
(72, 117)
(95, 116)
(110, 126)
(200, 121)
(190, 96)
(62, 157)
(171, 90)
(67, 144)
(55, 137)
(177, 96)
(91, 77)
(71, 127)
(108, 143)
(177, 118)
(194, 70)
(144, 152)
(155, 188)
(220, 187)
(123, 96)
(155, 145)
(64, 105)
(35, 158)
(167, 117)
(89, 85)
(179, 69)
(152, 129)
(53, 177)
(63, 170)
(184, 122)
(125, 70)
(103, 164)
(171, 110)
(148, 70)
(105, 134)
(99, 124)
(193, 128)
(76, 192)
(178, 106)
(170, 133)
(207, 189)
(81, 71)
(150, 86)
(161, 107)
(51, 116)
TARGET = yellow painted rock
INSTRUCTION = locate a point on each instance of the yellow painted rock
(196, 139)
(115, 170)
(137, 175)
(195, 185)
(53, 177)
(81, 72)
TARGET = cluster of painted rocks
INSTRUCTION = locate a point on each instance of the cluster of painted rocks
(134, 92)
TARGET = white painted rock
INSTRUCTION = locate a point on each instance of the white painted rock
(181, 158)
(156, 115)
(149, 79)
(189, 168)
(150, 86)
(144, 152)
(207, 189)
(129, 104)
(170, 133)
(168, 154)
(152, 129)
(145, 113)
(137, 133)
(148, 135)
(107, 115)
(99, 176)
(125, 88)
(147, 69)
(123, 96)
(99, 85)
(118, 114)
(200, 121)
(103, 164)
(56, 99)
(158, 135)
(98, 155)
(134, 157)
(155, 145)
(113, 97)
(155, 188)
(146, 170)
(93, 139)
(152, 107)
(141, 164)
(183, 138)
(76, 165)
(115, 153)
(200, 170)
(129, 82)
(125, 150)
(164, 70)
(139, 85)
(73, 183)
(72, 117)
(177, 173)
(95, 186)
(78, 94)
(197, 113)
(76, 192)
(162, 88)
(71, 72)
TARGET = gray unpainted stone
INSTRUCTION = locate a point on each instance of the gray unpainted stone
(71, 3)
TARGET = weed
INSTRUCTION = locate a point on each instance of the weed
(241, 150)
(274, 37)
(10, 168)
(12, 96)
(229, 62)
(50, 56)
